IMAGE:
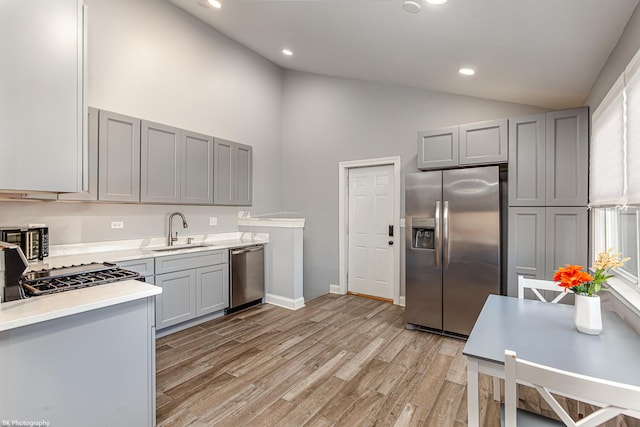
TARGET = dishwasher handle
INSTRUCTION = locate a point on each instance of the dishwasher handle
(244, 250)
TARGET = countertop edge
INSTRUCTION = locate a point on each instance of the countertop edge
(30, 311)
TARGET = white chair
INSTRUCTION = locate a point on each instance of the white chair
(619, 398)
(535, 285)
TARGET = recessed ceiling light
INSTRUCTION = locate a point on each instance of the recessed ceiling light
(215, 3)
(467, 71)
(437, 2)
(287, 52)
(411, 7)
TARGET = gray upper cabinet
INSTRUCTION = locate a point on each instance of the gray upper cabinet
(549, 159)
(92, 173)
(527, 161)
(244, 175)
(118, 157)
(232, 180)
(135, 160)
(470, 144)
(42, 106)
(484, 142)
(438, 148)
(567, 152)
(223, 172)
(176, 166)
(160, 163)
(197, 169)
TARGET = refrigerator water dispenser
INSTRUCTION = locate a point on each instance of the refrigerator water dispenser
(423, 233)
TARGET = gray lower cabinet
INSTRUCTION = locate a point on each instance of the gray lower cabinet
(549, 159)
(233, 171)
(193, 285)
(541, 239)
(566, 242)
(144, 266)
(99, 368)
(483, 142)
(177, 302)
(438, 148)
(41, 106)
(160, 163)
(118, 157)
(526, 244)
(212, 289)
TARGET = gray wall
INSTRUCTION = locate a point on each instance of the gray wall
(148, 58)
(626, 48)
(328, 120)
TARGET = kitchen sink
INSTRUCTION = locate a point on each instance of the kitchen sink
(178, 247)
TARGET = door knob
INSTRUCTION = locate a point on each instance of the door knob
(391, 242)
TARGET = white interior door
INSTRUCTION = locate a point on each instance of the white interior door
(370, 256)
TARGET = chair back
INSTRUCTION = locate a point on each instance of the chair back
(537, 285)
(615, 398)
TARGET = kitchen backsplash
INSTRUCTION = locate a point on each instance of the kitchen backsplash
(71, 222)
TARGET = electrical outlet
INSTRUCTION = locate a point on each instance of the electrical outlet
(213, 220)
(117, 224)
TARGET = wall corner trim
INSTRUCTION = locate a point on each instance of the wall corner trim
(289, 303)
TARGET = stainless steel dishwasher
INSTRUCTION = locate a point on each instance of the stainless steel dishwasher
(247, 277)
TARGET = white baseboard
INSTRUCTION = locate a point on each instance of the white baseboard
(290, 303)
(334, 289)
(401, 301)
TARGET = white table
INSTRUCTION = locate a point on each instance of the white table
(544, 333)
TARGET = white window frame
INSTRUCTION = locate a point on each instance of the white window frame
(604, 230)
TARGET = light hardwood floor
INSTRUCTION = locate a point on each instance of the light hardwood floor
(341, 360)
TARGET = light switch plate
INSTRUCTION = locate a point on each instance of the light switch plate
(213, 220)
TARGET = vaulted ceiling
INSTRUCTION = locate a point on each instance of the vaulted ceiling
(539, 52)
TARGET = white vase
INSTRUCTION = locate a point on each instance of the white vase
(587, 315)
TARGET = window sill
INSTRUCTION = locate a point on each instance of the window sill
(625, 293)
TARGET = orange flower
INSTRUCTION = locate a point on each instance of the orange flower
(570, 276)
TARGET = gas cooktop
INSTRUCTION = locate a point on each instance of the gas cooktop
(44, 282)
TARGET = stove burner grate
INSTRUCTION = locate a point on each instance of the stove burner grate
(62, 279)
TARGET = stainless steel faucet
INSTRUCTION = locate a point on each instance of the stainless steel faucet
(170, 238)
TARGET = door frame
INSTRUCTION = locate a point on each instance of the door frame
(343, 220)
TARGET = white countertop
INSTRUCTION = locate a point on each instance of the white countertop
(25, 312)
(19, 313)
(124, 250)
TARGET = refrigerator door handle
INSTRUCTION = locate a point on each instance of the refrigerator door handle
(445, 232)
(437, 234)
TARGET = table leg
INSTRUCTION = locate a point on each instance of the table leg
(473, 393)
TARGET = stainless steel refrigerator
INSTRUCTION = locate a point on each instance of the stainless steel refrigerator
(452, 247)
